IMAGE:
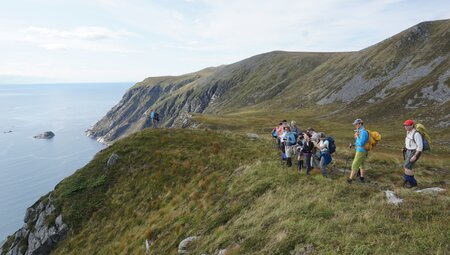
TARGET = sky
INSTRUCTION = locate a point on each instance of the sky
(51, 41)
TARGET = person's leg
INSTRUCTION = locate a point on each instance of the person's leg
(357, 162)
(323, 166)
(307, 157)
(410, 181)
(288, 150)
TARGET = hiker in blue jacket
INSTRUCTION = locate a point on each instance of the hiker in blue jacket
(361, 138)
(290, 142)
(154, 118)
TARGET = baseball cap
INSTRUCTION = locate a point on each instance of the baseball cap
(408, 123)
(357, 121)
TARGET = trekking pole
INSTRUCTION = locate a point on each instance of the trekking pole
(348, 157)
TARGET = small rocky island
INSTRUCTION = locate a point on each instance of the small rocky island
(45, 135)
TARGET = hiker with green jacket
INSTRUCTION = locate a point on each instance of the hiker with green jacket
(361, 138)
(413, 149)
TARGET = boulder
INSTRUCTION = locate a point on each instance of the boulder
(392, 198)
(222, 252)
(183, 246)
(112, 159)
(252, 136)
(430, 190)
(45, 135)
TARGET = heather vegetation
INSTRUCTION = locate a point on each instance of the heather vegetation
(234, 194)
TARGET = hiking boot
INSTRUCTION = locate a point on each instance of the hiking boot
(361, 180)
(289, 162)
(408, 185)
(349, 181)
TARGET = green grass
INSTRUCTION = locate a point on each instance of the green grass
(233, 193)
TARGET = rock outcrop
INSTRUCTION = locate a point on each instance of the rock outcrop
(183, 246)
(43, 229)
(112, 159)
(392, 198)
(45, 135)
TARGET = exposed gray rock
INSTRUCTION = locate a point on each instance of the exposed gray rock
(45, 135)
(412, 74)
(252, 136)
(392, 198)
(112, 159)
(39, 235)
(441, 93)
(222, 252)
(302, 250)
(430, 190)
(184, 245)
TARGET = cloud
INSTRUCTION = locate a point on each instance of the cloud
(91, 38)
(83, 33)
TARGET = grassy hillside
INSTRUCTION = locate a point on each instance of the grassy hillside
(233, 193)
(407, 74)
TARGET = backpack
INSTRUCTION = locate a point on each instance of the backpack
(291, 139)
(426, 140)
(331, 145)
(374, 138)
(156, 116)
(274, 133)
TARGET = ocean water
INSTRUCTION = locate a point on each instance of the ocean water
(29, 167)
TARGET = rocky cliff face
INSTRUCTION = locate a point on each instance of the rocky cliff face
(407, 73)
(42, 230)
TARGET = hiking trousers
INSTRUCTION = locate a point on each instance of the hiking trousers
(307, 156)
(289, 150)
(323, 166)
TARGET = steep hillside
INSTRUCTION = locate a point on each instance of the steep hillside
(232, 193)
(408, 74)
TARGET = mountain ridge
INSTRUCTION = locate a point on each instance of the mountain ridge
(410, 68)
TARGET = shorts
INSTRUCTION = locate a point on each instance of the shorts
(359, 161)
(408, 155)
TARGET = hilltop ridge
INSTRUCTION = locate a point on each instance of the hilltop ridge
(408, 73)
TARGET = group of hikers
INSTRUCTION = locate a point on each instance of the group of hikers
(314, 149)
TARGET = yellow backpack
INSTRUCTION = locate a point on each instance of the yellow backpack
(374, 138)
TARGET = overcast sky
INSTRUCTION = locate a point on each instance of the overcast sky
(129, 40)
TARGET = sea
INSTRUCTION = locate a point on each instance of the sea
(30, 167)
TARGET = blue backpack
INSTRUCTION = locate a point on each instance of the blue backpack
(274, 133)
(331, 145)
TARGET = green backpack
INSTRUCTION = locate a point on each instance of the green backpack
(426, 140)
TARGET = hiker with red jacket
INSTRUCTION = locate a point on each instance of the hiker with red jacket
(413, 149)
(361, 138)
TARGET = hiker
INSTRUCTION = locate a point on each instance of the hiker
(294, 128)
(279, 130)
(361, 138)
(307, 147)
(325, 157)
(154, 117)
(290, 142)
(298, 149)
(413, 149)
(315, 153)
